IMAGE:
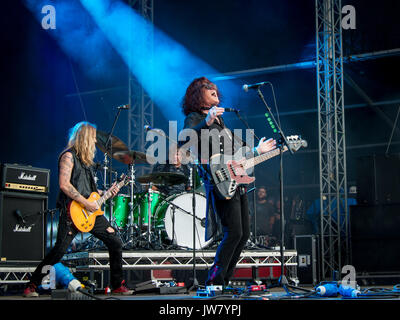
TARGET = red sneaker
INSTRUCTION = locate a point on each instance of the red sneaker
(122, 290)
(30, 291)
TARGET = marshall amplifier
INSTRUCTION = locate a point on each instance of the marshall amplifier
(24, 178)
(22, 226)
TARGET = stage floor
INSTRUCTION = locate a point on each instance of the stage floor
(271, 294)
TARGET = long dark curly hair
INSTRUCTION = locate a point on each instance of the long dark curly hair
(193, 99)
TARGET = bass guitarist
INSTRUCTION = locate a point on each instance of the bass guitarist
(76, 182)
(200, 106)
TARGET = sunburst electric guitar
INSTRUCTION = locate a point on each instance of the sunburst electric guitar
(82, 218)
(228, 172)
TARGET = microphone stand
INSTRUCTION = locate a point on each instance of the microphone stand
(193, 170)
(110, 168)
(283, 280)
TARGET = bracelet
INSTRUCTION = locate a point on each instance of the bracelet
(255, 151)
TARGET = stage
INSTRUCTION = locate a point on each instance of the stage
(109, 110)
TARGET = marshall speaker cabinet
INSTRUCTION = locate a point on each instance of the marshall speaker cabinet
(23, 205)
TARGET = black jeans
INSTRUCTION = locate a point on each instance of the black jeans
(234, 215)
(67, 232)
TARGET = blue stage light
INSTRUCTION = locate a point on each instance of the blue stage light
(163, 66)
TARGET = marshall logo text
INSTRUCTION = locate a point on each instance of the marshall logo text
(19, 228)
(24, 176)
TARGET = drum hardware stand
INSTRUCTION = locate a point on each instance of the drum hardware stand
(195, 284)
(149, 234)
(173, 241)
(150, 199)
(131, 226)
(108, 142)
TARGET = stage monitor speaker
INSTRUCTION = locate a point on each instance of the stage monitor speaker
(375, 238)
(22, 226)
(378, 179)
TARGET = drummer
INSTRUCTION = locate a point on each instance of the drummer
(175, 165)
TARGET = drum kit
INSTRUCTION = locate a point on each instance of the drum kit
(150, 219)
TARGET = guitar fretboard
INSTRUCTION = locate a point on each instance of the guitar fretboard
(108, 194)
(263, 157)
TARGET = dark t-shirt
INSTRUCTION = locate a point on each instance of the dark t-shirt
(264, 213)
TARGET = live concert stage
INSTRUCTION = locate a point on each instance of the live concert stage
(199, 158)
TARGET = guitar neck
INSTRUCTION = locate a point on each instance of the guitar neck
(107, 195)
(263, 157)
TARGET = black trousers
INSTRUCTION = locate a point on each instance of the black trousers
(235, 220)
(67, 232)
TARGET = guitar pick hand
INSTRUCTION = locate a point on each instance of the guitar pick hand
(91, 206)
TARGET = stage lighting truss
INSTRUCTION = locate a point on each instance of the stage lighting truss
(332, 149)
(141, 110)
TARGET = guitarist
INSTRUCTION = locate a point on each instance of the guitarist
(76, 182)
(200, 106)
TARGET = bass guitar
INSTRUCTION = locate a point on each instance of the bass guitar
(229, 172)
(82, 218)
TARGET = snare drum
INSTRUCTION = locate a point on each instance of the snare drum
(174, 216)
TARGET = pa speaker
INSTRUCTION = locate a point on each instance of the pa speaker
(378, 179)
(375, 238)
(22, 226)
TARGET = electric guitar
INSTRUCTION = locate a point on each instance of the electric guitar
(82, 218)
(228, 172)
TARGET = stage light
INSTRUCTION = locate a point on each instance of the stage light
(163, 66)
(107, 30)
(77, 35)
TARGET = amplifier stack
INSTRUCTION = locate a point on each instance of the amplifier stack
(23, 209)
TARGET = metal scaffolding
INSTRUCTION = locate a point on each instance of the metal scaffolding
(332, 148)
(141, 110)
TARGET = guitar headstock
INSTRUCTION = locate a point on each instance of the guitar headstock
(296, 142)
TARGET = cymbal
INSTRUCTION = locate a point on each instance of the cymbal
(163, 178)
(131, 157)
(116, 144)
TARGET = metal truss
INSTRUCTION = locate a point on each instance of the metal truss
(332, 149)
(178, 259)
(12, 275)
(141, 110)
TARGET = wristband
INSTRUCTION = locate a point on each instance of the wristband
(255, 151)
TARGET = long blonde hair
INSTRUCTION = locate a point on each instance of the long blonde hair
(82, 137)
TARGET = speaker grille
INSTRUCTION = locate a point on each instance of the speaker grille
(22, 240)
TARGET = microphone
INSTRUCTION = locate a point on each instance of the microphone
(19, 215)
(246, 87)
(231, 110)
(124, 106)
(149, 128)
